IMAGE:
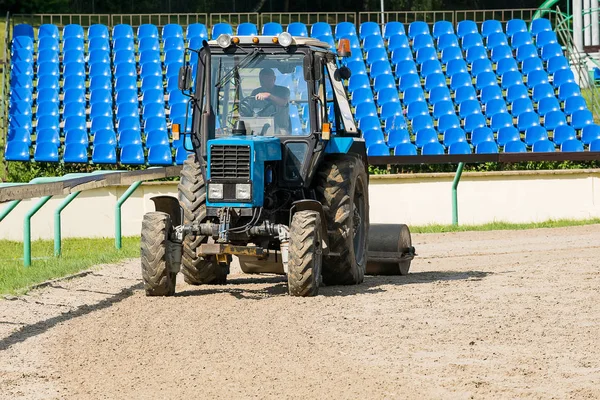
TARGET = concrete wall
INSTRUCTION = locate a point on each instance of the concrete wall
(416, 199)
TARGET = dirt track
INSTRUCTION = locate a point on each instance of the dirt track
(483, 315)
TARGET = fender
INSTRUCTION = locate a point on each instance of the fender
(169, 205)
(312, 205)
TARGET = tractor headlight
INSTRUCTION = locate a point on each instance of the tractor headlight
(285, 39)
(224, 40)
(243, 191)
(215, 191)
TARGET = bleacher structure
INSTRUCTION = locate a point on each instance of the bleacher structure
(109, 96)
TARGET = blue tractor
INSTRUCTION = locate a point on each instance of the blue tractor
(276, 174)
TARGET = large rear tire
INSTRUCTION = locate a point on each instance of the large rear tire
(192, 198)
(342, 188)
(305, 254)
(159, 280)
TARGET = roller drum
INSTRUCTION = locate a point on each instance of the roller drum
(390, 249)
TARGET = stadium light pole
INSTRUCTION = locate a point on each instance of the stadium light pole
(382, 12)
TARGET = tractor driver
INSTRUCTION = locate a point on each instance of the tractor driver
(279, 96)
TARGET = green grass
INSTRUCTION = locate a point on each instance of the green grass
(499, 226)
(78, 255)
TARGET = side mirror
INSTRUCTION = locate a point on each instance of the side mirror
(185, 78)
(342, 73)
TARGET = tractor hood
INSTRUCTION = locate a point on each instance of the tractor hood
(241, 159)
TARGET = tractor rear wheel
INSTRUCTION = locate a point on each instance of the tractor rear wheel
(196, 270)
(305, 254)
(342, 188)
(159, 279)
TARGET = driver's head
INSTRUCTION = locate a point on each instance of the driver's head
(267, 78)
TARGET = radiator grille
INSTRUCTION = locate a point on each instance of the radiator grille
(229, 162)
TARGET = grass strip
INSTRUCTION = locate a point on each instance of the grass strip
(500, 226)
(77, 255)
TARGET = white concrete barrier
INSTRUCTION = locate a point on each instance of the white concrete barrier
(415, 199)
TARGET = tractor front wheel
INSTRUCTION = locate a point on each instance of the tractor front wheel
(157, 272)
(305, 254)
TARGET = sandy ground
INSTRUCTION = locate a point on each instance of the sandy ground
(482, 315)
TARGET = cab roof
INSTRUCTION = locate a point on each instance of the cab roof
(267, 40)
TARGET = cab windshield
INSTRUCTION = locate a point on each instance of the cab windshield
(266, 91)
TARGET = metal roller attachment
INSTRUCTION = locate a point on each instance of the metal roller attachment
(390, 249)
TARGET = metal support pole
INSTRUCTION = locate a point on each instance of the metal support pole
(459, 171)
(120, 202)
(11, 206)
(27, 229)
(57, 224)
(587, 28)
(595, 24)
(382, 14)
(578, 25)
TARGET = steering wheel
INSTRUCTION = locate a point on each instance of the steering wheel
(251, 107)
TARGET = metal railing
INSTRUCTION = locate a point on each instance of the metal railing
(308, 18)
(159, 20)
(234, 19)
(502, 15)
(406, 17)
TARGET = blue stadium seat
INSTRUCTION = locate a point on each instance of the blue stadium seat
(454, 135)
(22, 82)
(447, 122)
(156, 137)
(481, 65)
(500, 52)
(572, 145)
(508, 134)
(21, 135)
(22, 68)
(47, 68)
(469, 107)
(440, 93)
(405, 67)
(431, 67)
(74, 123)
(574, 103)
(73, 31)
(471, 40)
(443, 108)
(272, 28)
(149, 57)
(506, 65)
(22, 42)
(465, 93)
(556, 63)
(75, 153)
(459, 148)
(148, 43)
(446, 41)
(160, 155)
(424, 136)
(422, 41)
(551, 50)
(71, 95)
(595, 145)
(150, 69)
(105, 136)
(540, 25)
(426, 53)
(466, 27)
(146, 31)
(563, 133)
(398, 136)
(417, 28)
(397, 41)
(516, 92)
(104, 154)
(372, 137)
(23, 30)
(52, 82)
(548, 104)
(554, 119)
(460, 80)
(47, 108)
(25, 55)
(481, 135)
(535, 78)
(98, 44)
(46, 152)
(221, 28)
(20, 121)
(401, 54)
(526, 120)
(74, 69)
(152, 83)
(48, 136)
(515, 146)
(543, 90)
(475, 53)
(422, 122)
(154, 124)
(581, 119)
(101, 110)
(368, 29)
(532, 64)
(496, 39)
(371, 42)
(500, 120)
(511, 78)
(173, 42)
(387, 95)
(102, 123)
(412, 94)
(357, 82)
(526, 51)
(22, 108)
(384, 81)
(129, 123)
(455, 67)
(174, 30)
(490, 27)
(434, 148)
(21, 94)
(73, 43)
(78, 136)
(196, 30)
(376, 54)
(99, 56)
(544, 38)
(102, 96)
(590, 133)
(485, 79)
(17, 151)
(442, 28)
(320, 29)
(435, 80)
(450, 54)
(562, 76)
(74, 109)
(417, 108)
(520, 106)
(128, 137)
(365, 109)
(380, 68)
(567, 90)
(125, 70)
(395, 122)
(132, 154)
(515, 25)
(535, 134)
(178, 97)
(104, 82)
(45, 30)
(247, 29)
(495, 106)
(361, 95)
(543, 146)
(393, 28)
(488, 147)
(97, 31)
(521, 38)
